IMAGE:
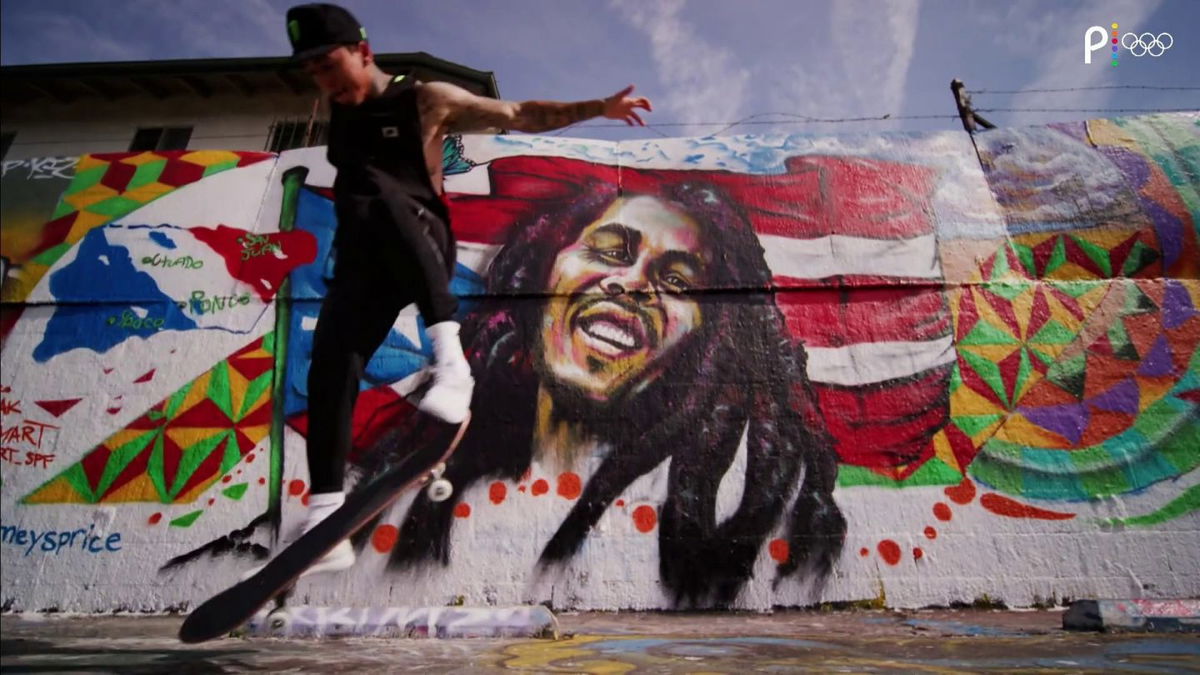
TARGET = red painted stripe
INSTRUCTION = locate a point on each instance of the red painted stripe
(817, 195)
(835, 317)
(886, 426)
(1004, 506)
(886, 402)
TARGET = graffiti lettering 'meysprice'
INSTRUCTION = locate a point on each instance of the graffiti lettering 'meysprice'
(57, 541)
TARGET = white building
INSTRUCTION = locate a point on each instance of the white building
(69, 109)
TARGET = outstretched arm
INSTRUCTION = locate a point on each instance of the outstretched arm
(456, 110)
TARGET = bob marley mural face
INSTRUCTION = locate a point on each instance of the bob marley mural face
(619, 298)
(600, 333)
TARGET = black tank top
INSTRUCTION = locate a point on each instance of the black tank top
(376, 145)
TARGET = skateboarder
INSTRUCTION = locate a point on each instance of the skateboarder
(393, 245)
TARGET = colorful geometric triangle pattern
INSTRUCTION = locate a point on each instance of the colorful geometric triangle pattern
(108, 186)
(1080, 387)
(181, 446)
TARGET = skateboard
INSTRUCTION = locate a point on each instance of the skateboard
(232, 607)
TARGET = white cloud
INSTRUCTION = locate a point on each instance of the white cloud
(871, 44)
(1058, 33)
(702, 81)
(66, 38)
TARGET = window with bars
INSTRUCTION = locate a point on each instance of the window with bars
(161, 138)
(289, 134)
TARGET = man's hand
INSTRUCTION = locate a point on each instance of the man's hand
(620, 106)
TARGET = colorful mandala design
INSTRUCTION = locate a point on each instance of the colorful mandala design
(1071, 384)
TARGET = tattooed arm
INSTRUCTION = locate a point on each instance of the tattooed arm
(455, 110)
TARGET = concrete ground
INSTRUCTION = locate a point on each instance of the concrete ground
(933, 641)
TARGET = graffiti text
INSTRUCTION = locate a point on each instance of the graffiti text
(132, 321)
(255, 245)
(187, 262)
(54, 541)
(42, 167)
(203, 304)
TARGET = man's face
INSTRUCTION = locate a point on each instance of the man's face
(618, 303)
(342, 73)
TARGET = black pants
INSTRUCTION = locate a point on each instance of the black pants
(391, 251)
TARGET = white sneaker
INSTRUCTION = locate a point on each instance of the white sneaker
(340, 557)
(449, 398)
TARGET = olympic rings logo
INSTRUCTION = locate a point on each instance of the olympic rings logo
(1146, 43)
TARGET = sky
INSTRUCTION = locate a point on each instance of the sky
(772, 65)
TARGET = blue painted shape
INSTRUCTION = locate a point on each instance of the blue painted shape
(104, 300)
(162, 240)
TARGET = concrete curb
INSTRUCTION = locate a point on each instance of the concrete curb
(528, 621)
(1134, 614)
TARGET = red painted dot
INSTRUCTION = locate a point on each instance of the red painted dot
(520, 488)
(941, 511)
(918, 553)
(226, 479)
(212, 501)
(262, 481)
(962, 493)
(930, 533)
(384, 538)
(889, 551)
(569, 485)
(645, 518)
(462, 510)
(250, 458)
(1114, 42)
(864, 552)
(540, 487)
(497, 492)
(153, 520)
(778, 549)
(296, 488)
(621, 502)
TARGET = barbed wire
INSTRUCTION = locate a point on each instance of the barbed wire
(805, 119)
(751, 120)
(1047, 91)
(983, 110)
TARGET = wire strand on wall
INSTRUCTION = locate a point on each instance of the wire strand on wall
(1067, 89)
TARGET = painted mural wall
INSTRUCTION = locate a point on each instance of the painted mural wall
(751, 371)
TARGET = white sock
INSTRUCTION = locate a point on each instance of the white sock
(447, 349)
(320, 506)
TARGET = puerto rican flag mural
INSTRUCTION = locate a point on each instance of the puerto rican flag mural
(850, 243)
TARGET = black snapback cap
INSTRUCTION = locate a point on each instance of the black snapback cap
(320, 28)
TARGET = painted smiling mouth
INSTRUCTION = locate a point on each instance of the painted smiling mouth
(620, 332)
(615, 335)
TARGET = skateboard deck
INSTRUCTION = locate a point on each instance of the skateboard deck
(232, 607)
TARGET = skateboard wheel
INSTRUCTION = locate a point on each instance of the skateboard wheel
(440, 490)
(279, 620)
